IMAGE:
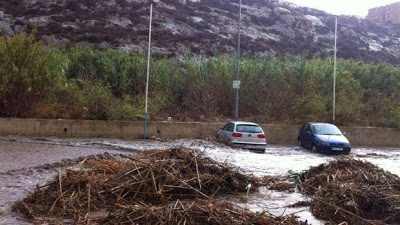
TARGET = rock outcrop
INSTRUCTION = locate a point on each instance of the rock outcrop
(185, 28)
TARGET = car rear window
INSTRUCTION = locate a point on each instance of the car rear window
(245, 128)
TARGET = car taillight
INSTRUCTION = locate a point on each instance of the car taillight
(237, 135)
(323, 143)
(261, 136)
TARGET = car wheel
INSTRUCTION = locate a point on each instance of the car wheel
(300, 143)
(314, 149)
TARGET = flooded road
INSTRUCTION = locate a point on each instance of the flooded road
(29, 162)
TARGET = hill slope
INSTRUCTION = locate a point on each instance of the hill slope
(201, 27)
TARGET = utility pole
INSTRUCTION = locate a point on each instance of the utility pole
(236, 83)
(334, 77)
(148, 74)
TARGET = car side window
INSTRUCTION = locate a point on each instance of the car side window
(231, 126)
(225, 127)
(308, 128)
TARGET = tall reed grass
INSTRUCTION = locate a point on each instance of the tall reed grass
(46, 82)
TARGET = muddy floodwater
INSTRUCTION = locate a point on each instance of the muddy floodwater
(26, 163)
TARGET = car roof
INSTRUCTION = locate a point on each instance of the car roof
(243, 122)
(319, 123)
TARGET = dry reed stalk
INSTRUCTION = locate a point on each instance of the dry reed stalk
(197, 171)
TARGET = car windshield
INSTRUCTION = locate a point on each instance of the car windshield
(246, 128)
(326, 129)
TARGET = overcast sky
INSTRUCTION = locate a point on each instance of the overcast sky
(346, 7)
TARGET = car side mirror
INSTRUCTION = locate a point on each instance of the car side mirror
(220, 128)
(344, 133)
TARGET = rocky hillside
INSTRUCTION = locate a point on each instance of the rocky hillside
(201, 27)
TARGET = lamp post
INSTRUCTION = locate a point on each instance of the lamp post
(334, 77)
(148, 74)
(236, 83)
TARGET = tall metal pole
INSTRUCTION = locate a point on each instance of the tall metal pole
(238, 64)
(148, 74)
(334, 77)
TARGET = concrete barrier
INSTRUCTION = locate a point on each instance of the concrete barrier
(276, 133)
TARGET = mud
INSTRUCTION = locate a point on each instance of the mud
(28, 162)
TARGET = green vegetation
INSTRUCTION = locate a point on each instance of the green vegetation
(46, 82)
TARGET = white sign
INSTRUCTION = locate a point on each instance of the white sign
(236, 84)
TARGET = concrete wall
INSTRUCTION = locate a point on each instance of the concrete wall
(276, 133)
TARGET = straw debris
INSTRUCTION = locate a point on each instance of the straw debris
(278, 183)
(353, 191)
(174, 186)
(194, 212)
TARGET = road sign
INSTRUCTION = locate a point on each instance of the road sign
(236, 84)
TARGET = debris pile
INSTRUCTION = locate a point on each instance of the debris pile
(353, 191)
(174, 186)
(278, 183)
(195, 212)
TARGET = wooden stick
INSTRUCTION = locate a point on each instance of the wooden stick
(60, 181)
(197, 170)
(30, 211)
(124, 156)
(141, 184)
(89, 196)
(183, 182)
(154, 181)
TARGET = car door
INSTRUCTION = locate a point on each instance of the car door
(227, 131)
(221, 133)
(308, 136)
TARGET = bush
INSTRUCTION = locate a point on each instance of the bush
(84, 100)
(39, 81)
(108, 67)
(28, 71)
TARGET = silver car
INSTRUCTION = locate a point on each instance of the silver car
(243, 134)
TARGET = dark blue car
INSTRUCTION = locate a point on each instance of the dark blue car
(323, 137)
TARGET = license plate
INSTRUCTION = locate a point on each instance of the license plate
(337, 149)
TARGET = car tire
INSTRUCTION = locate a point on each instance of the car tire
(314, 149)
(300, 143)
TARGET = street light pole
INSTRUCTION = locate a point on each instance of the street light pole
(148, 74)
(334, 77)
(238, 65)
